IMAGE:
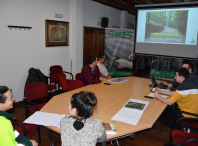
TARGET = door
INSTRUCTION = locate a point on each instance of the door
(93, 42)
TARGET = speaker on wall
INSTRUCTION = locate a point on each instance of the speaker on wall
(104, 22)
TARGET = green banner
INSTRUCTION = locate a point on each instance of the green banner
(165, 35)
(119, 51)
(120, 73)
(162, 73)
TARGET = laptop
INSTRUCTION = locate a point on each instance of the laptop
(154, 83)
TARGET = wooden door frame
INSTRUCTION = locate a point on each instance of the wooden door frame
(86, 27)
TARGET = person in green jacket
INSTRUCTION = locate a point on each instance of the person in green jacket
(9, 136)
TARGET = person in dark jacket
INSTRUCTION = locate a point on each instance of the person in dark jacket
(90, 73)
(192, 75)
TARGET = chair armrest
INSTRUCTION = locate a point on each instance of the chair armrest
(21, 125)
(70, 74)
(171, 143)
(54, 76)
(190, 140)
(25, 106)
(184, 118)
(49, 78)
(33, 104)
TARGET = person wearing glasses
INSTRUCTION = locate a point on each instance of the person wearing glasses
(9, 136)
(101, 66)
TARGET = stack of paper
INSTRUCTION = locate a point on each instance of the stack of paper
(45, 119)
(152, 95)
(118, 80)
(131, 112)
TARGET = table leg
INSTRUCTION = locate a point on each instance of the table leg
(51, 138)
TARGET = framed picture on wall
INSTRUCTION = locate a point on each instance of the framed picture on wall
(56, 33)
(130, 26)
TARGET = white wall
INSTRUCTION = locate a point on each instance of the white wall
(22, 49)
(93, 12)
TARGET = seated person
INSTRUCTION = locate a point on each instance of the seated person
(185, 98)
(9, 136)
(189, 67)
(101, 66)
(79, 129)
(90, 73)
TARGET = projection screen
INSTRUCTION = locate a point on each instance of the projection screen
(167, 30)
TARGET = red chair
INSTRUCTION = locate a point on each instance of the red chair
(180, 138)
(23, 128)
(55, 71)
(50, 87)
(75, 84)
(33, 92)
(77, 77)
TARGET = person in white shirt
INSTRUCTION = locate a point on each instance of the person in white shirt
(101, 66)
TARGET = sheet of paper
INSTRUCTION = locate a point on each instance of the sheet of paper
(118, 80)
(45, 119)
(131, 112)
(153, 90)
(152, 95)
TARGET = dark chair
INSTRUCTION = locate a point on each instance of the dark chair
(54, 71)
(77, 77)
(75, 84)
(33, 92)
(23, 128)
(180, 138)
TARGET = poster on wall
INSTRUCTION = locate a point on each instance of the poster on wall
(164, 68)
(119, 45)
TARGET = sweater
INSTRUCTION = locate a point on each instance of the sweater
(90, 77)
(92, 132)
(186, 97)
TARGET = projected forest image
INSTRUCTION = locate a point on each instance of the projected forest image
(166, 26)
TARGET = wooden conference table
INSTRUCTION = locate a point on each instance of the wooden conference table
(111, 98)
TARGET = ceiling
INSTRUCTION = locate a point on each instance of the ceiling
(129, 5)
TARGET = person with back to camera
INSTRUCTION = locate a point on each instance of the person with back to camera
(101, 66)
(78, 129)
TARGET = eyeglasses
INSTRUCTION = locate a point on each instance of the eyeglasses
(12, 98)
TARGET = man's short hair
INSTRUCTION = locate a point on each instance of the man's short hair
(183, 72)
(91, 58)
(190, 65)
(3, 90)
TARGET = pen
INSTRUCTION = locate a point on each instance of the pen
(149, 97)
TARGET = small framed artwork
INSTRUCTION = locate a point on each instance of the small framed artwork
(56, 33)
(130, 26)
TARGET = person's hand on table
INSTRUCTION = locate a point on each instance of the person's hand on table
(34, 143)
(156, 94)
(164, 83)
(170, 85)
(158, 90)
(108, 77)
(101, 78)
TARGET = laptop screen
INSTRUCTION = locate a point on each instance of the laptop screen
(153, 80)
